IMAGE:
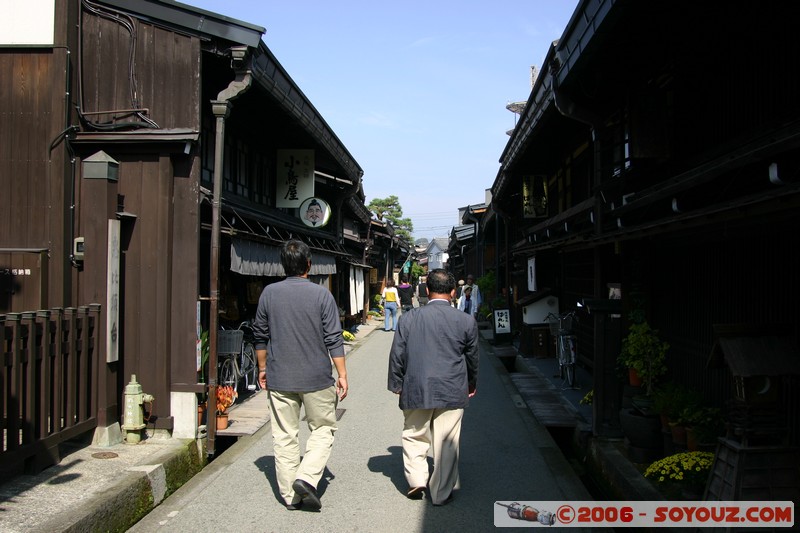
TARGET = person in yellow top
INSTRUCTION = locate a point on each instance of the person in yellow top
(390, 298)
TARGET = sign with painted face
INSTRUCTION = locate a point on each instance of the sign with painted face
(315, 212)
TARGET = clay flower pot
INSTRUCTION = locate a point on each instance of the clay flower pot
(678, 434)
(201, 413)
(633, 377)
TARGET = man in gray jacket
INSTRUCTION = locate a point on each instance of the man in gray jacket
(433, 366)
(298, 334)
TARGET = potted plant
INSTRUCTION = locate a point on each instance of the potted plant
(487, 283)
(376, 304)
(484, 313)
(644, 354)
(671, 399)
(201, 397)
(703, 426)
(226, 395)
(682, 475)
(203, 355)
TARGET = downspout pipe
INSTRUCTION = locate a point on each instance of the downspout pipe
(604, 424)
(504, 217)
(351, 192)
(567, 107)
(221, 107)
(478, 248)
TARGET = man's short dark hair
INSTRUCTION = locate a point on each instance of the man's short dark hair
(295, 256)
(441, 281)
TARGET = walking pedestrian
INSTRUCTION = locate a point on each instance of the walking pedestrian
(459, 291)
(433, 366)
(390, 299)
(422, 291)
(476, 291)
(297, 336)
(406, 292)
(467, 303)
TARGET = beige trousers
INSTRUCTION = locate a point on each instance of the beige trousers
(440, 428)
(320, 409)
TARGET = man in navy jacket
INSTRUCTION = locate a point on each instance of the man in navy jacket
(433, 366)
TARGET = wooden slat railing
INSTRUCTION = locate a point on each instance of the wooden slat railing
(48, 383)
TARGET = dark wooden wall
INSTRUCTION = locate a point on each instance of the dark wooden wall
(166, 69)
(159, 184)
(737, 275)
(35, 169)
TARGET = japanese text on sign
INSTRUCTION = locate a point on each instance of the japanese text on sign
(295, 179)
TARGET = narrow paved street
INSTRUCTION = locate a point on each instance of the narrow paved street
(505, 455)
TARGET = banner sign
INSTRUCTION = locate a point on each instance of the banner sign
(112, 291)
(295, 177)
(532, 274)
(534, 196)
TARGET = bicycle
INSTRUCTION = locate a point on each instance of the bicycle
(237, 357)
(566, 346)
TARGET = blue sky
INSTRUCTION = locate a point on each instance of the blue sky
(416, 91)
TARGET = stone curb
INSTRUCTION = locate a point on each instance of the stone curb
(139, 490)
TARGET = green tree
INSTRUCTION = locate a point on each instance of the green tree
(389, 209)
(416, 271)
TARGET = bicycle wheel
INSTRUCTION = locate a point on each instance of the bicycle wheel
(570, 358)
(572, 349)
(249, 367)
(227, 373)
(569, 375)
(561, 354)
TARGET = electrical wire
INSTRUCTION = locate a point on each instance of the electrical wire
(127, 22)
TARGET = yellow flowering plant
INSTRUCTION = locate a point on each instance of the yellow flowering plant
(588, 399)
(687, 469)
(349, 337)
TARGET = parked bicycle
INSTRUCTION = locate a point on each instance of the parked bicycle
(237, 357)
(561, 327)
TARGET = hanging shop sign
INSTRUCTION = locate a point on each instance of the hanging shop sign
(295, 177)
(314, 212)
(534, 196)
(532, 274)
(113, 291)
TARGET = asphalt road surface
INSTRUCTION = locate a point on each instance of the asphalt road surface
(506, 455)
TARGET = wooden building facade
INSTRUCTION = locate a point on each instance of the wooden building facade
(658, 154)
(142, 156)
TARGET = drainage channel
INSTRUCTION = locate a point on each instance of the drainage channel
(565, 438)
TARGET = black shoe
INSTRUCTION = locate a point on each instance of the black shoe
(294, 506)
(307, 493)
(415, 493)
